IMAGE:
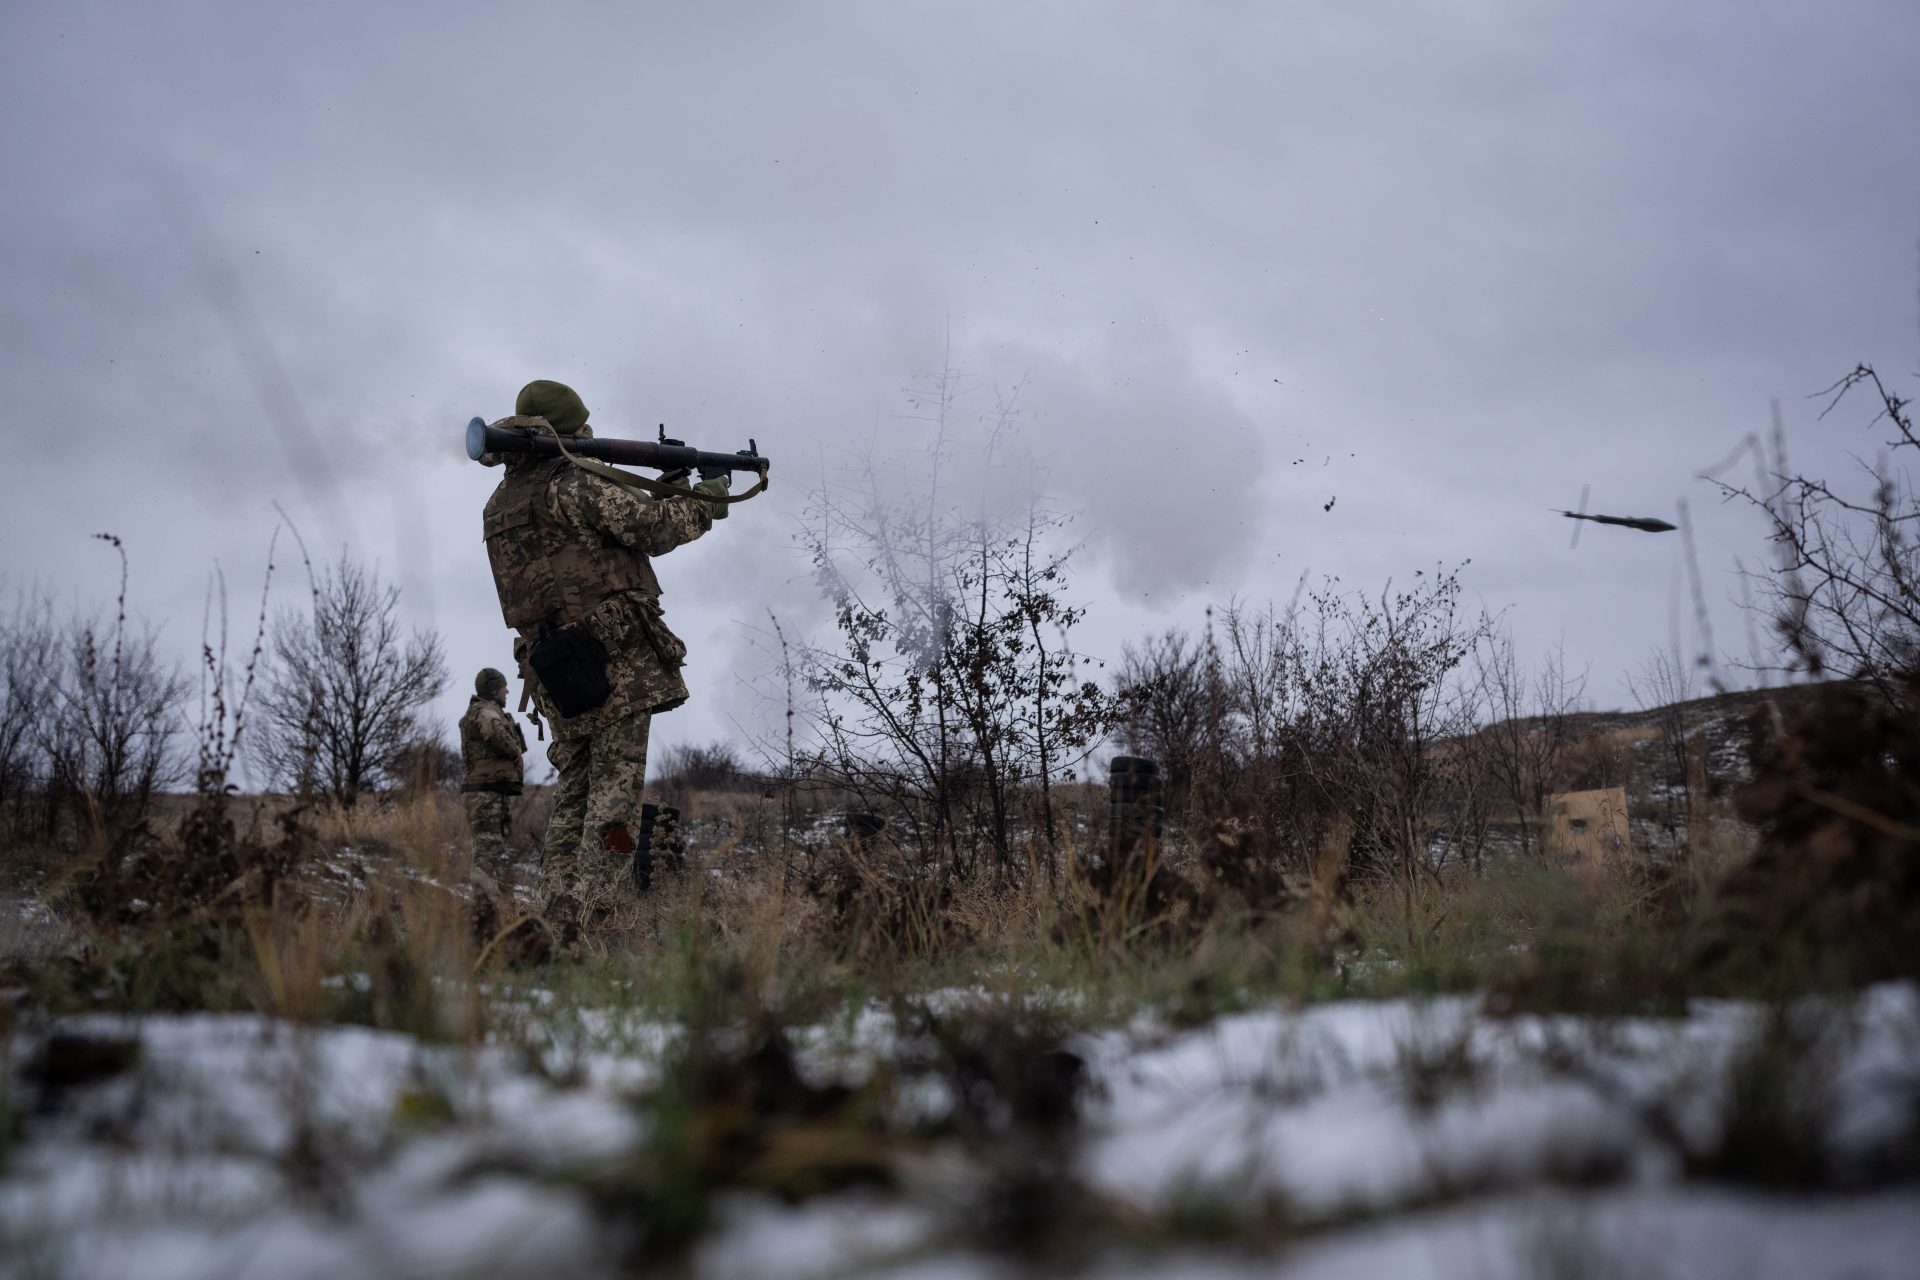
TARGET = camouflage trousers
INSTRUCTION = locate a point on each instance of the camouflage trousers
(588, 849)
(489, 813)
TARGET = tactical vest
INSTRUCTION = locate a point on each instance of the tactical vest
(487, 768)
(549, 576)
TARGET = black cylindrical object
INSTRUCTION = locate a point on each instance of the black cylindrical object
(659, 841)
(483, 439)
(862, 828)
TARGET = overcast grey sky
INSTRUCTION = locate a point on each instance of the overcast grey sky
(1446, 261)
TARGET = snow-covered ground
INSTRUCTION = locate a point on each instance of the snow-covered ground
(1392, 1139)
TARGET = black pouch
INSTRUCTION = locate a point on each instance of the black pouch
(572, 667)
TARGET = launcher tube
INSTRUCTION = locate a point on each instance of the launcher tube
(483, 439)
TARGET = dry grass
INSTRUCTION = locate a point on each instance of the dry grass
(779, 911)
(782, 922)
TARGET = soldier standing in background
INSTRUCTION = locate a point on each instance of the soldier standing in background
(570, 555)
(491, 744)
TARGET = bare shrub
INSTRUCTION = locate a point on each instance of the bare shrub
(426, 763)
(345, 687)
(1844, 596)
(951, 691)
(1595, 760)
(108, 722)
(711, 766)
(208, 868)
(949, 717)
(1342, 714)
(1379, 698)
(26, 640)
(115, 716)
(1833, 888)
(1164, 700)
(1529, 729)
(1665, 690)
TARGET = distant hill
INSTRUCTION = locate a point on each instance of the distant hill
(1661, 755)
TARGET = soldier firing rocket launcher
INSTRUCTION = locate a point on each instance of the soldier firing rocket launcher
(486, 443)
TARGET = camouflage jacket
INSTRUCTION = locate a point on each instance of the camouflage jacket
(491, 744)
(569, 547)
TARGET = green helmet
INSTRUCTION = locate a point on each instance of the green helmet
(487, 681)
(557, 402)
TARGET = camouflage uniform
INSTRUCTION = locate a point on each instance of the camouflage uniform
(491, 744)
(570, 548)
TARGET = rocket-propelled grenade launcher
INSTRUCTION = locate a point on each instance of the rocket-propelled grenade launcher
(664, 454)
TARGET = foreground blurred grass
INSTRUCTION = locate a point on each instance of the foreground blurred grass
(772, 947)
(374, 923)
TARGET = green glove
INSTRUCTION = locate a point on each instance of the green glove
(715, 488)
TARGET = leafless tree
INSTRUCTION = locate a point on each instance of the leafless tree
(950, 692)
(1345, 710)
(1381, 700)
(711, 766)
(116, 715)
(955, 714)
(1162, 687)
(1664, 690)
(112, 714)
(1845, 595)
(344, 687)
(1529, 726)
(27, 650)
(1247, 693)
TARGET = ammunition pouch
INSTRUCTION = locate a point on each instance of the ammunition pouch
(669, 648)
(572, 667)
